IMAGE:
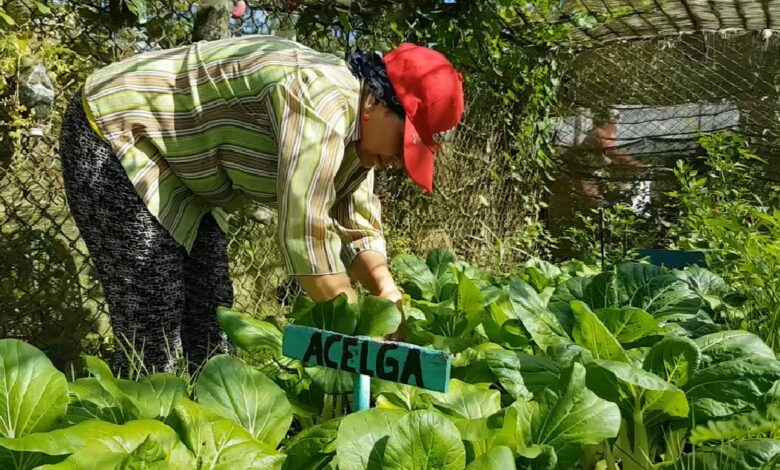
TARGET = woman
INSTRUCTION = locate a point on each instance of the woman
(159, 147)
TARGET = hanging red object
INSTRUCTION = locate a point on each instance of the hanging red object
(239, 9)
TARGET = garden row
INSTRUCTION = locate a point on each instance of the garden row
(554, 367)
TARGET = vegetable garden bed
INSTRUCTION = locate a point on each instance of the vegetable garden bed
(553, 367)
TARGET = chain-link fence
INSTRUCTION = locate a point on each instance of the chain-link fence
(628, 111)
(631, 109)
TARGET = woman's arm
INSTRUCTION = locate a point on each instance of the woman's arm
(327, 286)
(370, 269)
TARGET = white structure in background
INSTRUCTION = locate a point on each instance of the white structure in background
(651, 133)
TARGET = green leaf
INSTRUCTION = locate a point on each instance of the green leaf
(87, 394)
(541, 274)
(66, 440)
(221, 444)
(752, 424)
(313, 447)
(236, 391)
(154, 395)
(512, 335)
(334, 315)
(674, 359)
(730, 387)
(378, 317)
(6, 19)
(439, 261)
(138, 8)
(362, 437)
(628, 324)
(97, 444)
(250, 334)
(727, 345)
(397, 396)
(531, 310)
(564, 418)
(521, 374)
(415, 277)
(497, 458)
(637, 391)
(469, 301)
(589, 332)
(468, 407)
(747, 454)
(708, 286)
(42, 7)
(102, 373)
(33, 393)
(331, 381)
(424, 440)
(596, 291)
(655, 290)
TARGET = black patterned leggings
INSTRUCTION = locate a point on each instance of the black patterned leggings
(160, 299)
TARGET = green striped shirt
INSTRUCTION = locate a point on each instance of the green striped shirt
(204, 128)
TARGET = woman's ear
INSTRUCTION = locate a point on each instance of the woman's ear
(371, 103)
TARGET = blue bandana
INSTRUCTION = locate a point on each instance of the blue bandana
(370, 67)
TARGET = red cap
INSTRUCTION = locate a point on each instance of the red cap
(431, 93)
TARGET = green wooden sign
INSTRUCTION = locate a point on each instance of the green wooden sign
(388, 360)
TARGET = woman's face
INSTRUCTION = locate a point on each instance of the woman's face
(381, 136)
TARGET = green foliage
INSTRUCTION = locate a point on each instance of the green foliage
(632, 374)
(731, 214)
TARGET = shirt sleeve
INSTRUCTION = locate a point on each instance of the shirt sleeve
(358, 216)
(311, 119)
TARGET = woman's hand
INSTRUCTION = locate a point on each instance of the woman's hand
(392, 294)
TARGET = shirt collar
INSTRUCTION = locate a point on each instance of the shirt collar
(355, 135)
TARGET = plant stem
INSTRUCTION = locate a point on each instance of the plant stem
(608, 455)
(641, 444)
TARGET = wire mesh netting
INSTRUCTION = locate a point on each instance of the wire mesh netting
(630, 110)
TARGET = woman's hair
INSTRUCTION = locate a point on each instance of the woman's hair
(370, 67)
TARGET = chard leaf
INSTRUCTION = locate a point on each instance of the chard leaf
(154, 395)
(656, 291)
(33, 393)
(637, 392)
(590, 333)
(497, 458)
(727, 345)
(313, 447)
(249, 333)
(333, 315)
(362, 438)
(468, 407)
(235, 390)
(530, 309)
(752, 424)
(731, 387)
(414, 276)
(378, 317)
(628, 325)
(469, 301)
(221, 444)
(674, 359)
(424, 440)
(708, 286)
(541, 274)
(439, 262)
(97, 444)
(597, 291)
(747, 454)
(522, 375)
(565, 418)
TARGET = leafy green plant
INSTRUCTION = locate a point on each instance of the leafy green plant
(554, 367)
(727, 212)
